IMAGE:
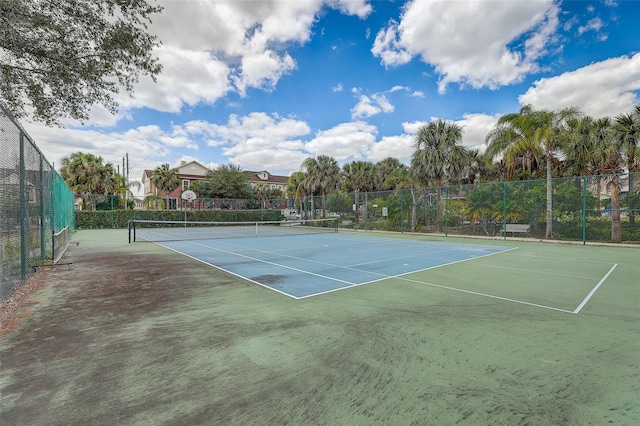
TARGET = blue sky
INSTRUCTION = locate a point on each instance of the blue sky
(266, 84)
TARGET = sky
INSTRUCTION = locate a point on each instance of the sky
(266, 84)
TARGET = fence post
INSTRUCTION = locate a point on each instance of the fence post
(43, 228)
(504, 215)
(24, 217)
(446, 211)
(584, 210)
(401, 214)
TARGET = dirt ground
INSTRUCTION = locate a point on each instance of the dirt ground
(137, 335)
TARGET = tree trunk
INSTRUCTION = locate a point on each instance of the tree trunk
(413, 210)
(615, 211)
(324, 204)
(632, 214)
(438, 210)
(549, 228)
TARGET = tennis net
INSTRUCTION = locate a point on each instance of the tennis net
(159, 230)
(59, 244)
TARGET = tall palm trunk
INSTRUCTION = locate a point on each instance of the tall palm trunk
(549, 228)
(438, 210)
(632, 214)
(324, 203)
(413, 210)
(615, 211)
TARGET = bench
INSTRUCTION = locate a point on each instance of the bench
(517, 228)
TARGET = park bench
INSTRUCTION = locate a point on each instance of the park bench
(517, 228)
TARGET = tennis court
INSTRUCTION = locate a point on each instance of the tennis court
(303, 261)
(429, 331)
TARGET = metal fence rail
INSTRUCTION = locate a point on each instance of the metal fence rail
(35, 205)
(583, 208)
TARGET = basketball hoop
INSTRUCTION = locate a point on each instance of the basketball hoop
(188, 195)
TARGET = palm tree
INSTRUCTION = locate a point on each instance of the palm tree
(123, 188)
(401, 179)
(438, 157)
(292, 189)
(627, 128)
(476, 167)
(322, 173)
(358, 177)
(382, 170)
(611, 159)
(152, 201)
(165, 179)
(88, 177)
(580, 147)
(538, 133)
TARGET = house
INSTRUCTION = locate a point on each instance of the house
(190, 172)
(267, 179)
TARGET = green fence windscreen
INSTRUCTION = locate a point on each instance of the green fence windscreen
(35, 205)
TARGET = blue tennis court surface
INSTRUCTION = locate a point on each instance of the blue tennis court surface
(307, 265)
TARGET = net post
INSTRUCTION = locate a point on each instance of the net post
(129, 225)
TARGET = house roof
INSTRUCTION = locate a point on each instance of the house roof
(192, 169)
(195, 170)
(265, 176)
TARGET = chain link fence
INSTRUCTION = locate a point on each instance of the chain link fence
(602, 208)
(36, 207)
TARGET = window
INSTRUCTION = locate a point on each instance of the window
(185, 184)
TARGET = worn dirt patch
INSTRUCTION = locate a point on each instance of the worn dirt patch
(12, 310)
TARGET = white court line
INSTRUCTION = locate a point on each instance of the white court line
(348, 283)
(274, 264)
(475, 293)
(594, 289)
(225, 270)
(386, 259)
(384, 277)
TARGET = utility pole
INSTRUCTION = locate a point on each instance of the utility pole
(126, 196)
(125, 174)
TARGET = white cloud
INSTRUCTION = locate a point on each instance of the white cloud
(263, 70)
(478, 50)
(359, 8)
(594, 24)
(370, 106)
(383, 102)
(188, 77)
(345, 141)
(257, 141)
(389, 47)
(227, 45)
(146, 146)
(397, 88)
(400, 147)
(601, 89)
(364, 108)
(271, 160)
(475, 128)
